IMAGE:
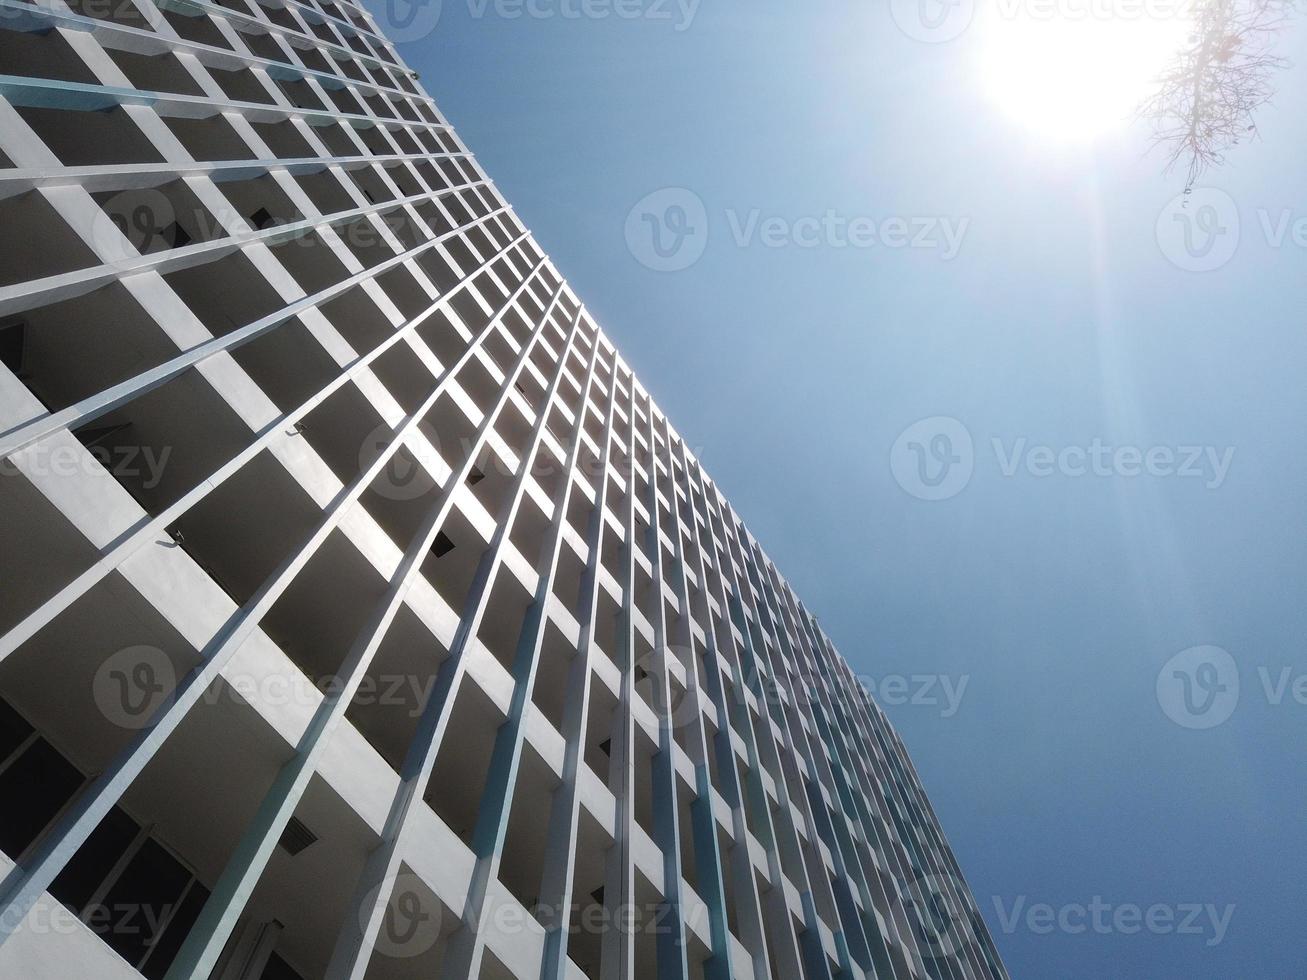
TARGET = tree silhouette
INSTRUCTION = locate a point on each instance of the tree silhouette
(1205, 103)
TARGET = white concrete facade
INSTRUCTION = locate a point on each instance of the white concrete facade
(362, 616)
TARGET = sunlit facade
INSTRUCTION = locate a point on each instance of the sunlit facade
(362, 616)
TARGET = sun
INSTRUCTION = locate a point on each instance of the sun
(1073, 70)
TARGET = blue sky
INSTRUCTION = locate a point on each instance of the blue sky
(1163, 407)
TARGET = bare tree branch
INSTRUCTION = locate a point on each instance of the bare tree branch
(1206, 101)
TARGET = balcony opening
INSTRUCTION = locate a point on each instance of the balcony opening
(288, 364)
(124, 885)
(449, 430)
(493, 486)
(553, 671)
(474, 313)
(601, 722)
(365, 237)
(118, 660)
(319, 617)
(685, 796)
(325, 191)
(157, 219)
(167, 441)
(414, 936)
(404, 291)
(498, 349)
(226, 294)
(726, 851)
(284, 140)
(518, 333)
(126, 14)
(459, 777)
(501, 626)
(156, 73)
(46, 55)
(276, 518)
(241, 85)
(300, 901)
(339, 140)
(344, 101)
(405, 376)
(37, 782)
(347, 431)
(265, 46)
(529, 529)
(261, 202)
(50, 247)
(402, 175)
(402, 496)
(523, 865)
(299, 93)
(312, 263)
(451, 573)
(647, 923)
(567, 577)
(209, 138)
(358, 319)
(645, 750)
(491, 291)
(593, 912)
(548, 471)
(196, 26)
(446, 340)
(399, 682)
(609, 638)
(37, 538)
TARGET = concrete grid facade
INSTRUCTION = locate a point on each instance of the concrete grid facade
(362, 616)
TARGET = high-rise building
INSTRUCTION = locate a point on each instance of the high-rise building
(360, 614)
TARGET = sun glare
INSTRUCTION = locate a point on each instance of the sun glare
(1072, 71)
